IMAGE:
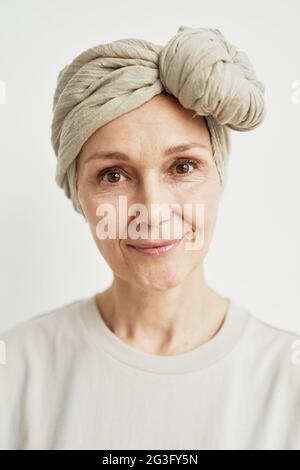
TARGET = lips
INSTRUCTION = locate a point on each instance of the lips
(155, 244)
(153, 249)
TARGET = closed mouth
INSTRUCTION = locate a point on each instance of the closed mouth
(152, 249)
(155, 244)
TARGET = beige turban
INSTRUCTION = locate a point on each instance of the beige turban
(197, 65)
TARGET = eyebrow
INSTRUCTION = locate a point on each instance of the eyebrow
(116, 155)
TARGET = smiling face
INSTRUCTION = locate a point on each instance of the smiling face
(146, 170)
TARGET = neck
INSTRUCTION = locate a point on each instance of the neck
(166, 322)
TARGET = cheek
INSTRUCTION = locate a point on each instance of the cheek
(204, 199)
(210, 215)
(109, 250)
(108, 222)
(212, 198)
(89, 203)
(86, 199)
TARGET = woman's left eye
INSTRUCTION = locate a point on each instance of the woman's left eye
(184, 164)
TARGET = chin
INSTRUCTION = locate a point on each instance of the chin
(161, 280)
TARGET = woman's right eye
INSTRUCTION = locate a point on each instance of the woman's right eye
(112, 174)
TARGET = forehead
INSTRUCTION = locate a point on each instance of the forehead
(158, 123)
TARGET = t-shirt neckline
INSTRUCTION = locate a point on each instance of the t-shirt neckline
(201, 357)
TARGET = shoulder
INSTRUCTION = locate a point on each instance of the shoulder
(34, 353)
(269, 336)
(272, 350)
(37, 350)
(42, 333)
(266, 370)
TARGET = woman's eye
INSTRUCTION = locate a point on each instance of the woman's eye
(113, 175)
(183, 166)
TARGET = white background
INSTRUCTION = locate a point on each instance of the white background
(47, 254)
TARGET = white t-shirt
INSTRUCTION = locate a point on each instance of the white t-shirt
(70, 383)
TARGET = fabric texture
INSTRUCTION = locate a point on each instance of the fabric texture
(198, 66)
(70, 383)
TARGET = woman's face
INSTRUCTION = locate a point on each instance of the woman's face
(155, 179)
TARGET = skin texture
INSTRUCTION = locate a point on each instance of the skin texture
(159, 305)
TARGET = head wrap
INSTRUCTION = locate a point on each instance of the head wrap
(198, 66)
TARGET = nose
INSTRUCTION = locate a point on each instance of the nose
(156, 200)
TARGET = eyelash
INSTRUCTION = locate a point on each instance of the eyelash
(116, 169)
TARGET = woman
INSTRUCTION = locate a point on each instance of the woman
(159, 360)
